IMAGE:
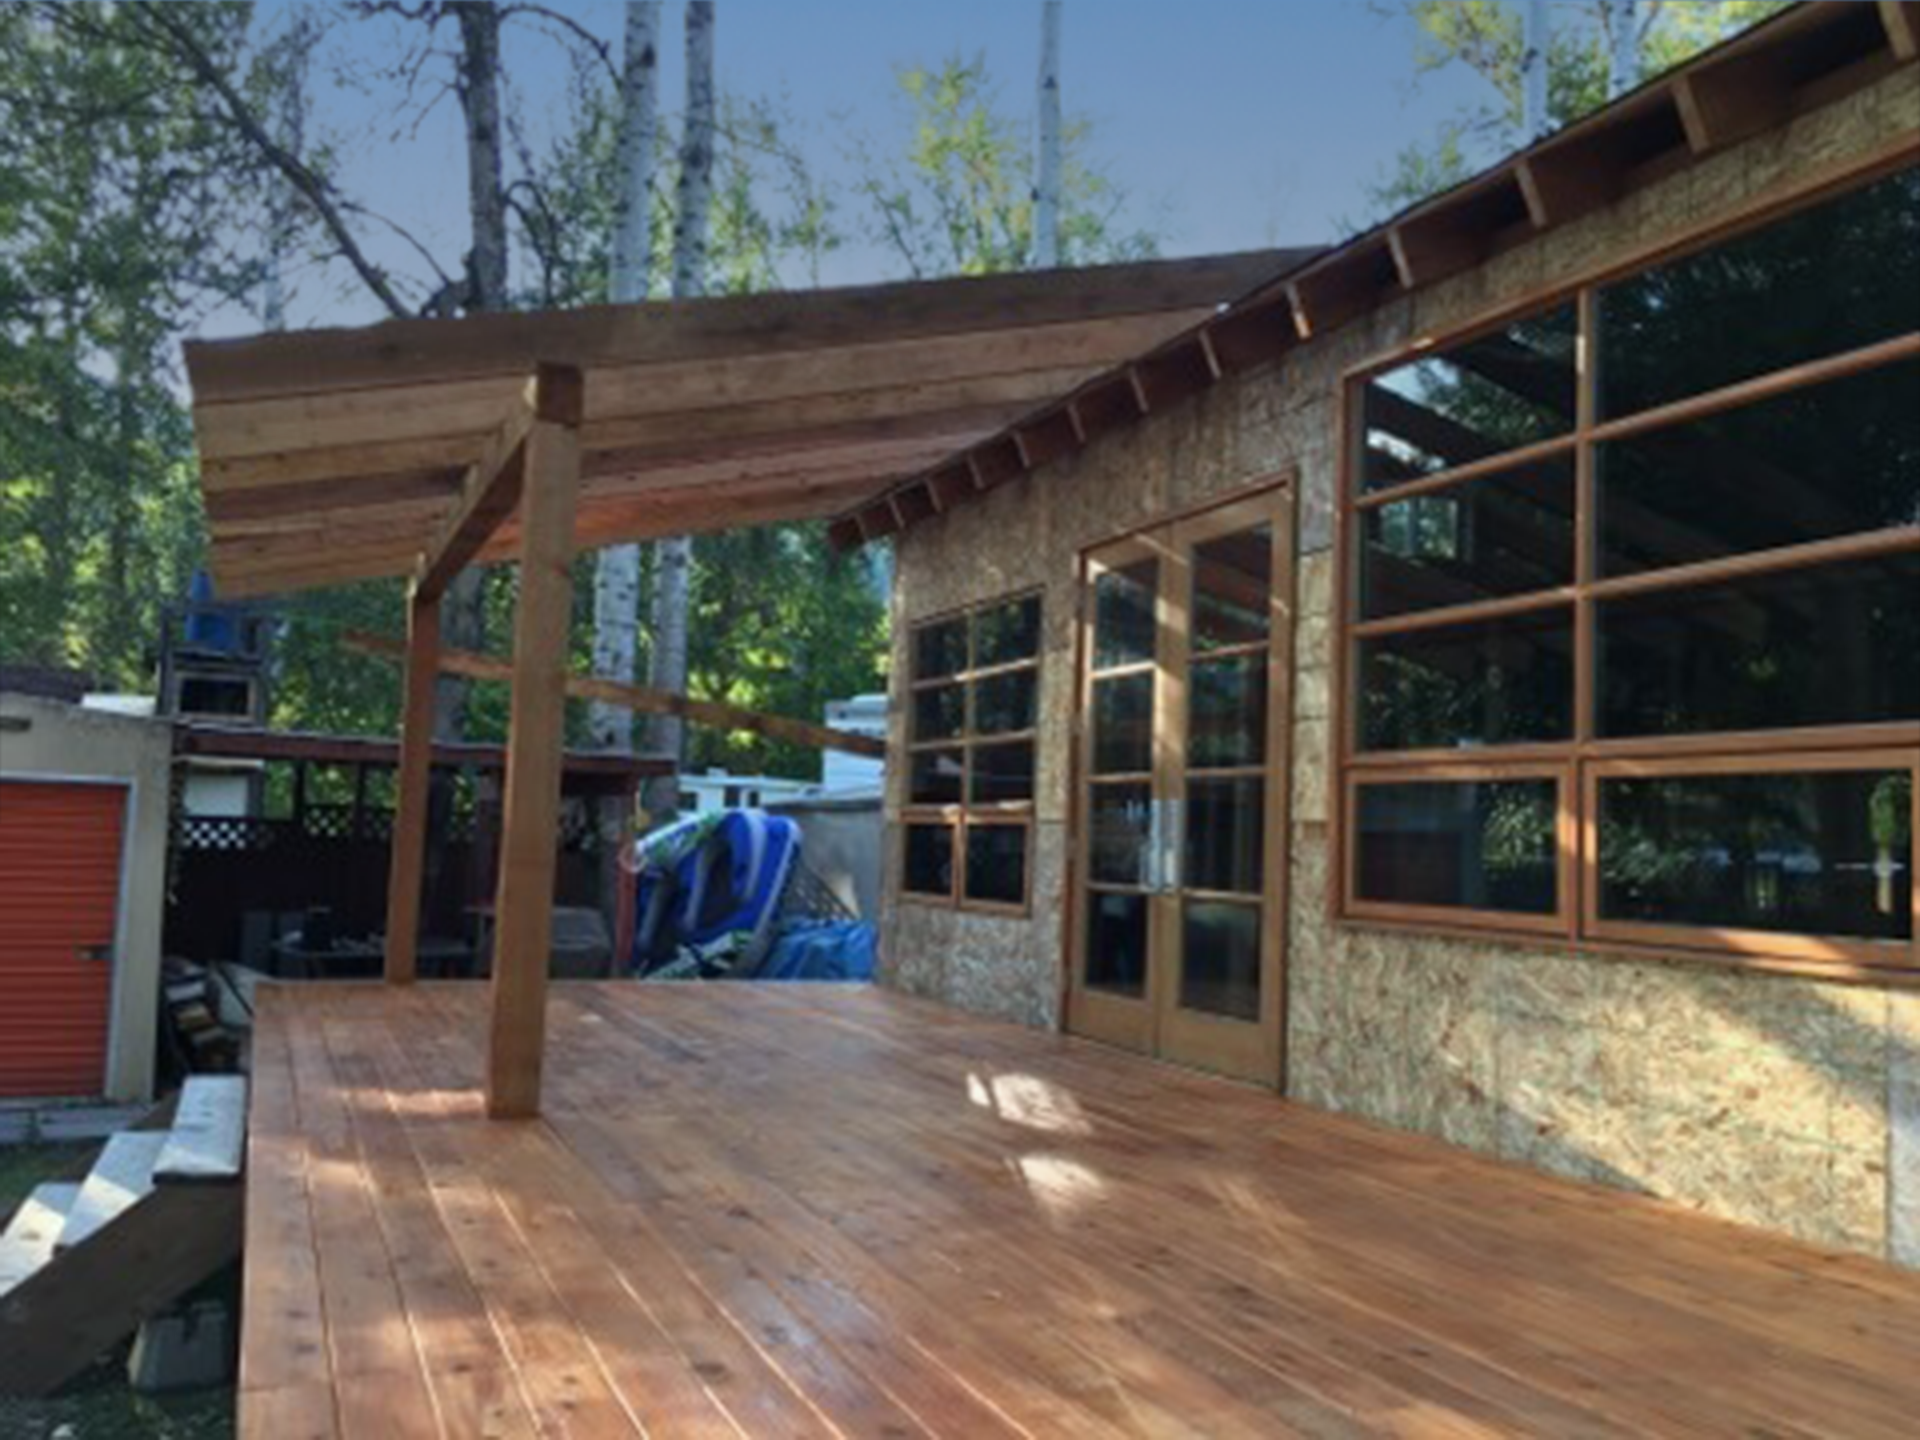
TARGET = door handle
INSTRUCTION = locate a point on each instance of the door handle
(101, 953)
(1171, 854)
(1150, 852)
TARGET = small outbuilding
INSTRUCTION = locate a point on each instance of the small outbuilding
(84, 799)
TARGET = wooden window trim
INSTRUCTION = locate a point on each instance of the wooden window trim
(966, 813)
(1558, 922)
(1584, 760)
(1874, 954)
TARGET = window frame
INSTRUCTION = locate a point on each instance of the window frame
(966, 814)
(1583, 759)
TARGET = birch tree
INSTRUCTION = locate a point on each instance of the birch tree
(1596, 50)
(1046, 184)
(616, 575)
(1533, 71)
(673, 558)
(1623, 47)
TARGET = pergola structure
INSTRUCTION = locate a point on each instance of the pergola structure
(417, 448)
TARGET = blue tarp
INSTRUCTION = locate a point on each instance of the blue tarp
(821, 950)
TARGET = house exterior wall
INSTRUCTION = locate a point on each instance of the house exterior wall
(1781, 1101)
(62, 741)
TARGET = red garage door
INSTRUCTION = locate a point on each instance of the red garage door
(59, 901)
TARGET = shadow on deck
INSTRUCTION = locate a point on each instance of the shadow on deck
(797, 1210)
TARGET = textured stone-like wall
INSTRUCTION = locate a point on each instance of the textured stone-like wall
(1779, 1101)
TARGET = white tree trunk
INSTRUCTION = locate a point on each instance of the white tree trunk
(673, 558)
(1534, 38)
(1047, 166)
(1623, 47)
(477, 79)
(616, 570)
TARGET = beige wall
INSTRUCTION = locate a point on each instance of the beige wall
(67, 741)
(1779, 1101)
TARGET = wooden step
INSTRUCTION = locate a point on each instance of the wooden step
(34, 1231)
(121, 1178)
(209, 1134)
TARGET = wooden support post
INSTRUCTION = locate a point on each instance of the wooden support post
(523, 907)
(407, 849)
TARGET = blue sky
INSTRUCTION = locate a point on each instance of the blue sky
(1231, 123)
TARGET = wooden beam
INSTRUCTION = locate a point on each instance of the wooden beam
(643, 699)
(1343, 288)
(488, 494)
(950, 485)
(410, 351)
(1723, 104)
(1257, 332)
(844, 533)
(1901, 19)
(1173, 374)
(996, 462)
(536, 731)
(408, 847)
(1046, 439)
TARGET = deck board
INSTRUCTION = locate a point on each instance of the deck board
(815, 1210)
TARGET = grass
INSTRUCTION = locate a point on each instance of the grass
(24, 1166)
(100, 1405)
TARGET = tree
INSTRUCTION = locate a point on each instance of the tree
(957, 198)
(119, 202)
(616, 576)
(1600, 48)
(673, 557)
(1046, 169)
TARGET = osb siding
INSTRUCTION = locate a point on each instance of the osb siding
(1785, 1102)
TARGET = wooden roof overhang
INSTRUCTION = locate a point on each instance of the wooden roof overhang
(331, 456)
(1803, 58)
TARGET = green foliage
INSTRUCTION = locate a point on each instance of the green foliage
(957, 199)
(1485, 37)
(118, 206)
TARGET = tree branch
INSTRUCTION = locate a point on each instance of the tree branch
(187, 48)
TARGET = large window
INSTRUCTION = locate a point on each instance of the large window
(974, 708)
(1631, 604)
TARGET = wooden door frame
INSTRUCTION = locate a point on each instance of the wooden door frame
(1283, 486)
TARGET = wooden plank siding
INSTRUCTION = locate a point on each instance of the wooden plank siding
(818, 1210)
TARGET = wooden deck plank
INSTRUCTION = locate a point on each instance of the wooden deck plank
(815, 1209)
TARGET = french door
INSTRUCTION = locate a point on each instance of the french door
(1180, 865)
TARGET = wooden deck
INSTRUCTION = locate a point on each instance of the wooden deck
(797, 1211)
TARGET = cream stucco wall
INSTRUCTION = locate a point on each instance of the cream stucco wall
(1786, 1102)
(67, 742)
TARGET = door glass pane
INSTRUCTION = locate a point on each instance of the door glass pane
(1479, 844)
(1002, 773)
(940, 649)
(1007, 633)
(1225, 824)
(1811, 464)
(929, 860)
(1123, 614)
(1005, 703)
(1828, 645)
(1122, 817)
(1220, 958)
(1232, 589)
(1829, 853)
(1116, 942)
(1831, 277)
(1123, 725)
(939, 712)
(1227, 704)
(1484, 539)
(933, 777)
(997, 864)
(1511, 387)
(1487, 683)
